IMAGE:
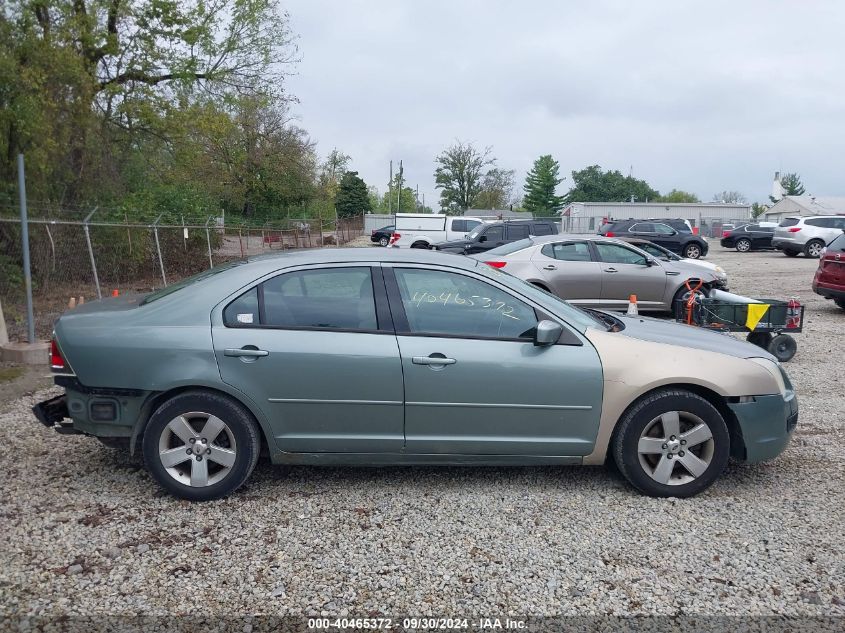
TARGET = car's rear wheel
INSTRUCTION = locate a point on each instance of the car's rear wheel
(383, 241)
(692, 251)
(672, 443)
(813, 248)
(201, 446)
(743, 245)
(790, 253)
(420, 245)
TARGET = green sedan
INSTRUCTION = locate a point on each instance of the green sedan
(376, 357)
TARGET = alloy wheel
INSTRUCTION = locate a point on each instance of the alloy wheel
(814, 249)
(743, 246)
(675, 448)
(197, 449)
(693, 252)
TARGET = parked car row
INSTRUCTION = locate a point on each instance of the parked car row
(675, 235)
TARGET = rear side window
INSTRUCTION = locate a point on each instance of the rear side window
(460, 226)
(838, 244)
(567, 251)
(820, 222)
(642, 227)
(328, 298)
(543, 229)
(664, 229)
(788, 222)
(495, 234)
(517, 231)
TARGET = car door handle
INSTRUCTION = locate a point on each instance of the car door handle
(549, 267)
(433, 360)
(610, 270)
(249, 352)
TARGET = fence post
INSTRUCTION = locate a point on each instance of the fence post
(158, 248)
(91, 251)
(241, 238)
(208, 240)
(27, 271)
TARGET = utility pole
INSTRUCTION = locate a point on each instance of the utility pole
(27, 271)
(390, 190)
(399, 190)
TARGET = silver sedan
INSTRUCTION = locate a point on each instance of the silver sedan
(599, 272)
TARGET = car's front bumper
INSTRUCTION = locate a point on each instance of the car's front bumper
(766, 424)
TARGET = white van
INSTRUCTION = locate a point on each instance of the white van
(422, 230)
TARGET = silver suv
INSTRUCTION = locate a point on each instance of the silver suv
(807, 234)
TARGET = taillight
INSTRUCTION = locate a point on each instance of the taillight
(610, 234)
(726, 233)
(496, 264)
(56, 359)
(795, 229)
(395, 237)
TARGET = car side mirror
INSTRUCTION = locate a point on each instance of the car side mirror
(482, 238)
(547, 333)
(649, 261)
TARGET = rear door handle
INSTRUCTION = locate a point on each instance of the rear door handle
(610, 270)
(549, 267)
(433, 360)
(246, 351)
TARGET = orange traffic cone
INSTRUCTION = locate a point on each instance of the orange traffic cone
(632, 306)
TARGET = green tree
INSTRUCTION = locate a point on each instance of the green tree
(459, 175)
(678, 196)
(592, 184)
(496, 189)
(352, 196)
(791, 185)
(540, 185)
(758, 209)
(729, 197)
(407, 198)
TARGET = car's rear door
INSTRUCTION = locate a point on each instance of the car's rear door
(315, 349)
(626, 272)
(570, 271)
(474, 382)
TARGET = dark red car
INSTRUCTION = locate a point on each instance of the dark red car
(829, 281)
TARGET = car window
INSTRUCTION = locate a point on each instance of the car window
(642, 227)
(452, 304)
(751, 227)
(471, 224)
(517, 231)
(618, 254)
(543, 229)
(567, 251)
(821, 222)
(651, 249)
(243, 310)
(665, 230)
(330, 298)
(512, 247)
(838, 243)
(789, 222)
(459, 226)
(495, 233)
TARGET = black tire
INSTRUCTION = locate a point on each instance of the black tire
(743, 245)
(790, 253)
(642, 415)
(840, 303)
(420, 245)
(760, 339)
(239, 422)
(783, 347)
(679, 310)
(813, 248)
(383, 241)
(693, 250)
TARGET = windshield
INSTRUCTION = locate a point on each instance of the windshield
(573, 314)
(474, 233)
(188, 281)
(656, 251)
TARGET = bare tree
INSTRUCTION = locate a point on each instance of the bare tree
(459, 175)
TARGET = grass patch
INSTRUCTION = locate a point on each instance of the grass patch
(8, 374)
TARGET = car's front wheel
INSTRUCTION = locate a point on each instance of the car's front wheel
(692, 251)
(672, 443)
(743, 245)
(814, 248)
(201, 445)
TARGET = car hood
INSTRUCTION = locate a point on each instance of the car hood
(692, 268)
(453, 244)
(671, 333)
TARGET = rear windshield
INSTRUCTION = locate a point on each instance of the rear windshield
(189, 281)
(838, 244)
(788, 222)
(513, 247)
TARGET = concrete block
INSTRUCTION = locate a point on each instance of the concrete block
(37, 353)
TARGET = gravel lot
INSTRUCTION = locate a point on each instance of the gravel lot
(88, 533)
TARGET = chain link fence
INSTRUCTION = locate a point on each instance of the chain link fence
(92, 255)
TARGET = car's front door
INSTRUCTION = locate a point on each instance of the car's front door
(475, 384)
(315, 350)
(626, 272)
(492, 237)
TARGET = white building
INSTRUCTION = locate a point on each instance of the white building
(805, 205)
(587, 217)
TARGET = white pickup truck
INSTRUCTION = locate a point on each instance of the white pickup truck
(421, 230)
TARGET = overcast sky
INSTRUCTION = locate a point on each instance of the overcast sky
(699, 96)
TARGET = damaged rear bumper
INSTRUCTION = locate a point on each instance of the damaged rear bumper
(53, 414)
